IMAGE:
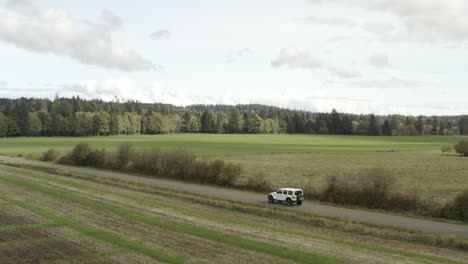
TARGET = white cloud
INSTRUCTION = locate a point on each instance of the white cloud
(379, 60)
(2, 83)
(233, 56)
(345, 73)
(294, 58)
(111, 20)
(124, 88)
(161, 34)
(53, 31)
(424, 20)
(328, 21)
(379, 27)
(394, 82)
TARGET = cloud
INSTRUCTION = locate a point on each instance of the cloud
(53, 31)
(111, 20)
(394, 82)
(3, 84)
(424, 20)
(124, 88)
(161, 34)
(344, 73)
(337, 22)
(378, 27)
(24, 7)
(379, 60)
(233, 56)
(294, 58)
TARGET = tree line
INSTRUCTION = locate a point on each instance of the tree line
(79, 117)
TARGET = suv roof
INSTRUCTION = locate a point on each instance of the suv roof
(290, 189)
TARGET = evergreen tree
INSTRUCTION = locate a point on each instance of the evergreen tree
(3, 125)
(207, 122)
(299, 121)
(235, 122)
(419, 125)
(373, 127)
(291, 127)
(347, 125)
(463, 125)
(386, 128)
(114, 124)
(335, 126)
(185, 123)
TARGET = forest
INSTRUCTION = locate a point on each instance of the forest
(79, 117)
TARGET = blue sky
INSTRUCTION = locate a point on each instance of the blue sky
(359, 56)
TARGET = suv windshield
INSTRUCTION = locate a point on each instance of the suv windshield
(298, 193)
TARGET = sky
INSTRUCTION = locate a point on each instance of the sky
(357, 56)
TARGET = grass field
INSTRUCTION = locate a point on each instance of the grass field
(299, 160)
(50, 218)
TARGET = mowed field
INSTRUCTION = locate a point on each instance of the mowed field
(53, 218)
(298, 160)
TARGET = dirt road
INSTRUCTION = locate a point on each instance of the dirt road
(249, 197)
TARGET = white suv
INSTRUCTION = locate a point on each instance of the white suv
(287, 195)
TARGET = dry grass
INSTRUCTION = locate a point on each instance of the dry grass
(440, 176)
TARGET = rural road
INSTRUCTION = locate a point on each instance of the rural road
(249, 197)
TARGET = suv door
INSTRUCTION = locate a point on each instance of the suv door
(279, 195)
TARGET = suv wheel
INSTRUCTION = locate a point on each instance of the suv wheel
(288, 202)
(270, 199)
(299, 202)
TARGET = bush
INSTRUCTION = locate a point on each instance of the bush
(49, 155)
(258, 183)
(124, 154)
(229, 174)
(462, 147)
(458, 208)
(372, 189)
(79, 155)
(169, 163)
(84, 155)
(446, 149)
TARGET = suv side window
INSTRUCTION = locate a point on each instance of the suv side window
(285, 192)
(290, 192)
(279, 192)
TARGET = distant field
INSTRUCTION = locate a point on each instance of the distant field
(298, 159)
(47, 218)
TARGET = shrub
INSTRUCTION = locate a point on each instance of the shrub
(79, 155)
(49, 155)
(84, 155)
(258, 183)
(458, 208)
(124, 154)
(229, 174)
(446, 149)
(462, 147)
(372, 189)
(169, 163)
(214, 170)
(96, 158)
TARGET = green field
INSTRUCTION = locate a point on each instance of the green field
(54, 218)
(298, 160)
